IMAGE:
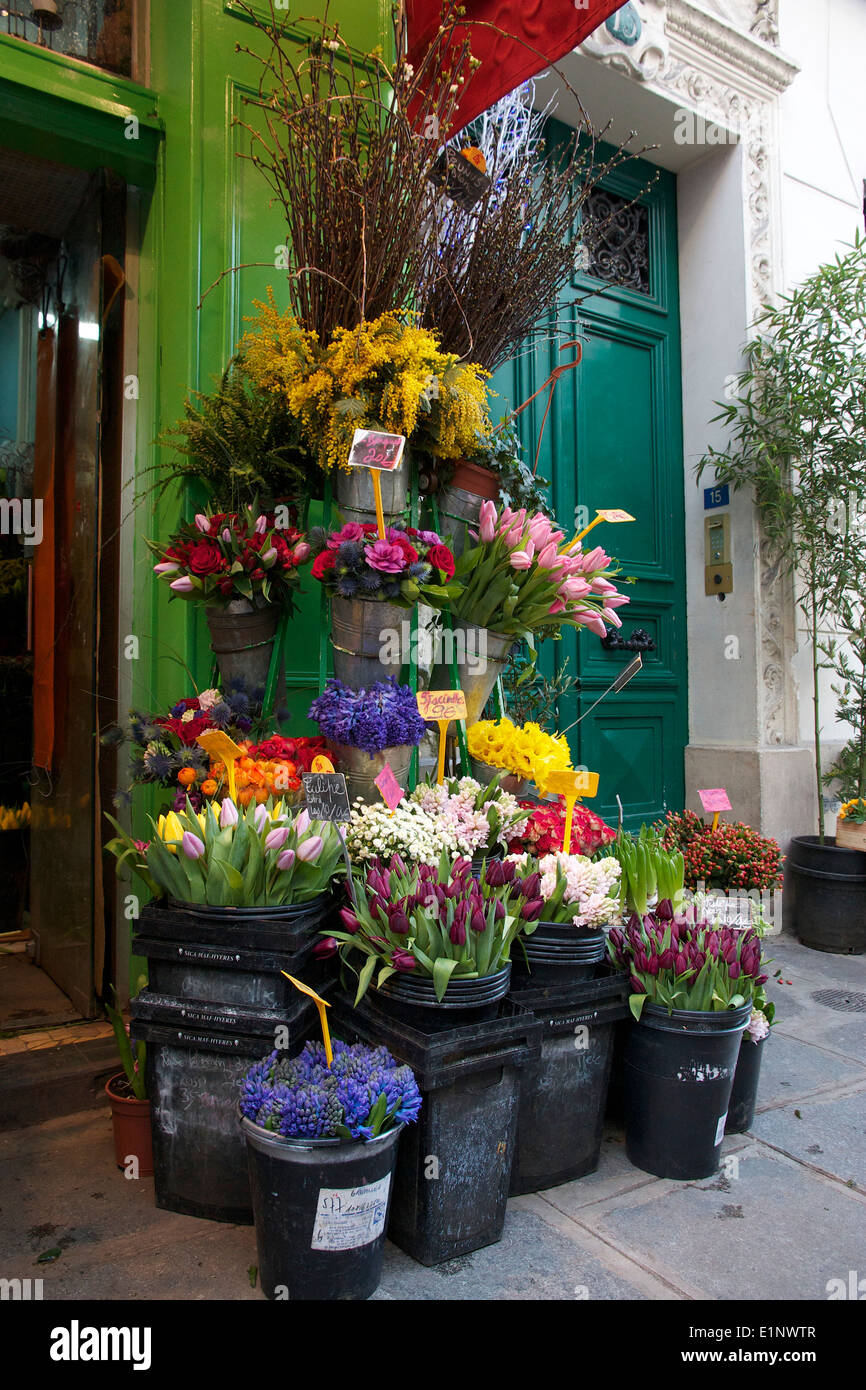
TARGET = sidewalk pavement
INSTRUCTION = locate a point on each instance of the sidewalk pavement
(786, 1215)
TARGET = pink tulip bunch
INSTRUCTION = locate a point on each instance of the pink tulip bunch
(519, 578)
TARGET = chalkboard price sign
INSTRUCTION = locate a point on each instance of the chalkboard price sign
(326, 795)
(372, 449)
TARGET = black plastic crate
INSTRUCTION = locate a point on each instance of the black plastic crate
(454, 1165)
(255, 929)
(563, 1090)
(229, 974)
(194, 1072)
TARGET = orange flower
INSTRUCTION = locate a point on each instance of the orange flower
(186, 776)
(209, 786)
(245, 796)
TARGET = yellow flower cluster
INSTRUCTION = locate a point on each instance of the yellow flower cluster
(527, 751)
(856, 804)
(385, 373)
(15, 817)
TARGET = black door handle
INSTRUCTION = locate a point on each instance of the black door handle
(640, 641)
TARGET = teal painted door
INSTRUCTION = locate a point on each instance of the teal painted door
(614, 439)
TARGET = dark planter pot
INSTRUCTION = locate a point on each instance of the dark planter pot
(744, 1095)
(679, 1073)
(413, 1000)
(486, 856)
(563, 1091)
(826, 904)
(558, 953)
(321, 1211)
(130, 1119)
(14, 877)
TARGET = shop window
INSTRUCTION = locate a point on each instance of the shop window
(96, 31)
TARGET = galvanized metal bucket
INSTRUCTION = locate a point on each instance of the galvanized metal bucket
(508, 781)
(362, 770)
(242, 640)
(457, 509)
(481, 657)
(355, 499)
(357, 628)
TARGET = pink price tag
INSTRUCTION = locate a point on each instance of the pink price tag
(714, 799)
(392, 792)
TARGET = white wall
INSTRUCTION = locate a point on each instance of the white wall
(823, 165)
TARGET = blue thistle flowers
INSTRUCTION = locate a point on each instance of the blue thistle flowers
(302, 1097)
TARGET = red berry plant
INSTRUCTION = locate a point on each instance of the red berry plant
(680, 963)
(731, 856)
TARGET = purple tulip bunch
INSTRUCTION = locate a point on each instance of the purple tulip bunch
(680, 963)
(437, 920)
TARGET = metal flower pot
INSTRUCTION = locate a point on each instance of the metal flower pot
(458, 510)
(353, 491)
(509, 781)
(242, 640)
(481, 658)
(362, 770)
(357, 628)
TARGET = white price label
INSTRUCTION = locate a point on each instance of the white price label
(720, 1130)
(348, 1217)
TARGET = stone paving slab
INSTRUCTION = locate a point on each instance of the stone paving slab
(827, 1132)
(791, 1067)
(775, 1231)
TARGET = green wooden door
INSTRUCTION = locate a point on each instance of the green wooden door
(614, 439)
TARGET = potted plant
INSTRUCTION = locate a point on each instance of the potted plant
(650, 871)
(797, 429)
(516, 584)
(368, 728)
(239, 442)
(571, 900)
(731, 861)
(692, 992)
(386, 374)
(130, 1107)
(322, 1134)
(371, 582)
(744, 1093)
(243, 568)
(481, 815)
(437, 939)
(522, 753)
(851, 824)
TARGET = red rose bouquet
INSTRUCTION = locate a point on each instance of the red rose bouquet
(233, 555)
(407, 566)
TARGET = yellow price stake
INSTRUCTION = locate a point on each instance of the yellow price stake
(571, 785)
(218, 745)
(441, 706)
(607, 514)
(321, 763)
(321, 1005)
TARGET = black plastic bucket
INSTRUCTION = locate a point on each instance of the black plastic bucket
(558, 953)
(744, 1094)
(679, 1073)
(564, 1090)
(321, 1211)
(454, 1167)
(826, 898)
(412, 999)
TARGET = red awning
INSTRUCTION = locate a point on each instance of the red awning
(514, 39)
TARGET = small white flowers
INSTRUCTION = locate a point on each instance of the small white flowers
(410, 831)
(757, 1026)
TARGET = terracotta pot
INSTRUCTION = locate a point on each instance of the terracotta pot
(471, 477)
(131, 1121)
(850, 835)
